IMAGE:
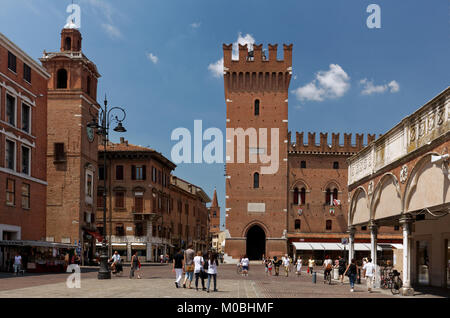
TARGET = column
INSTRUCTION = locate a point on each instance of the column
(351, 243)
(373, 251)
(406, 222)
(373, 241)
(129, 252)
(149, 241)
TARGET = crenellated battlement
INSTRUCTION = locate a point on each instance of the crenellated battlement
(254, 71)
(323, 146)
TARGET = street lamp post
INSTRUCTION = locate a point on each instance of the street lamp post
(106, 117)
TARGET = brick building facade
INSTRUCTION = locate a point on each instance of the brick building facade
(72, 146)
(23, 142)
(267, 212)
(149, 210)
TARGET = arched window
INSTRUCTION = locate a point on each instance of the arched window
(61, 78)
(303, 196)
(296, 196)
(297, 224)
(328, 197)
(256, 180)
(68, 44)
(335, 194)
(257, 107)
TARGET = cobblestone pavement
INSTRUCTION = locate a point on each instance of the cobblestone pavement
(158, 282)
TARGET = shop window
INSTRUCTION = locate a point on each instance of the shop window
(26, 73)
(12, 62)
(10, 110)
(25, 196)
(10, 192)
(256, 180)
(119, 172)
(297, 224)
(328, 225)
(120, 199)
(423, 263)
(61, 79)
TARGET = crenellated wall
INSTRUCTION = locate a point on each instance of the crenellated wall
(253, 72)
(324, 146)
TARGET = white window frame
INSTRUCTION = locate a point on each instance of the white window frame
(89, 199)
(29, 160)
(29, 119)
(15, 108)
(15, 154)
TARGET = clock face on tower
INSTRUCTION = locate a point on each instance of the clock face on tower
(90, 134)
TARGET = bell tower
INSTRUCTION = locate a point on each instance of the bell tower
(256, 95)
(72, 150)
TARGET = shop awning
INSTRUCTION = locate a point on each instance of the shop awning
(97, 235)
(332, 246)
(322, 246)
(37, 244)
(397, 246)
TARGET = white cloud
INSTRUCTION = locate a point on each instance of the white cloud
(112, 31)
(333, 83)
(369, 88)
(106, 12)
(195, 25)
(152, 58)
(217, 68)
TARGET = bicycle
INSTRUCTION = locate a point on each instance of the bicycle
(327, 277)
(396, 283)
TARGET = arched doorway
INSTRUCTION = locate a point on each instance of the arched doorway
(256, 243)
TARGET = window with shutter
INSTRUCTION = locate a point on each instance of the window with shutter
(119, 172)
(133, 172)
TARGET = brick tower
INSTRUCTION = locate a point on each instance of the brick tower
(256, 94)
(72, 150)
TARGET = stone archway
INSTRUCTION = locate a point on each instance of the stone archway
(256, 243)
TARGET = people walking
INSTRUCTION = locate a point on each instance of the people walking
(17, 263)
(134, 265)
(178, 264)
(311, 264)
(299, 266)
(352, 270)
(277, 263)
(189, 255)
(245, 262)
(328, 266)
(266, 266)
(369, 272)
(198, 270)
(212, 270)
(286, 264)
(269, 266)
(341, 268)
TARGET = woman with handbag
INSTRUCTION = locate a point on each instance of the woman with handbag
(189, 255)
(352, 273)
(198, 270)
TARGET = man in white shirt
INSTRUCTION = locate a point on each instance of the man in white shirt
(115, 259)
(286, 263)
(17, 263)
(369, 273)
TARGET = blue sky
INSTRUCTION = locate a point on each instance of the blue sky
(154, 58)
